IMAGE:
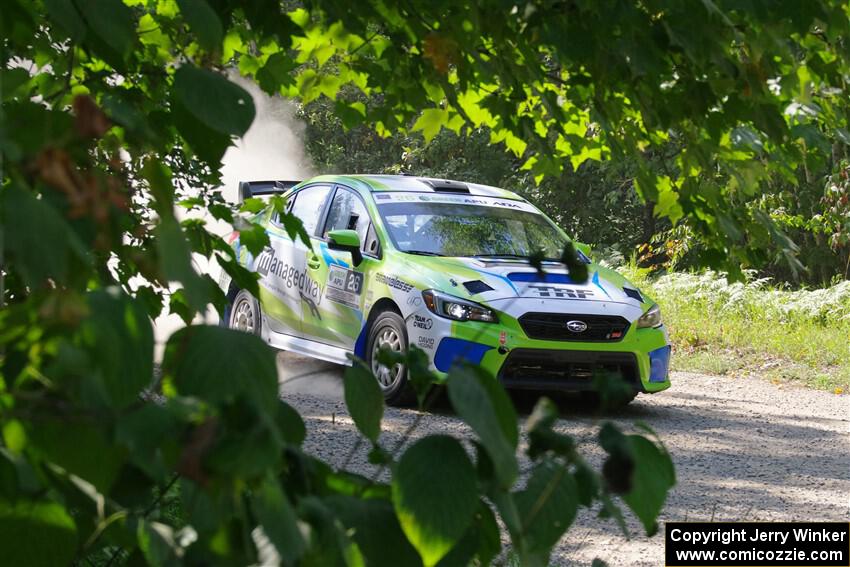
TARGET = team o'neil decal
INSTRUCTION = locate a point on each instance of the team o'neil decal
(553, 292)
(344, 286)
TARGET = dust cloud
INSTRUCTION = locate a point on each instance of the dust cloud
(272, 149)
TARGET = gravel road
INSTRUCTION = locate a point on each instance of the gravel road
(744, 449)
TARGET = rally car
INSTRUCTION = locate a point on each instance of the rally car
(400, 261)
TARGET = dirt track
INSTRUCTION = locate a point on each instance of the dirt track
(744, 449)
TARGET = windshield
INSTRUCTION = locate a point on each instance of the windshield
(452, 229)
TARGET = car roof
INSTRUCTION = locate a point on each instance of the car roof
(413, 184)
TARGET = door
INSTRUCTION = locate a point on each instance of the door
(287, 286)
(340, 315)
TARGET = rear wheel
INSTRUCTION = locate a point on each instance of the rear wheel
(388, 331)
(245, 313)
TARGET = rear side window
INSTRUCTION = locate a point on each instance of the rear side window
(348, 212)
(308, 206)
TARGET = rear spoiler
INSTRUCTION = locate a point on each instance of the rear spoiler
(249, 189)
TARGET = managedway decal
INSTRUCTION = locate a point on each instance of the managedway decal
(344, 286)
(288, 279)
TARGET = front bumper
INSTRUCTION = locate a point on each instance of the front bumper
(641, 357)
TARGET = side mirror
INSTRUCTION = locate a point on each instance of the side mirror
(347, 241)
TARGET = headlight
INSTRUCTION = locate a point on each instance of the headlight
(456, 308)
(652, 318)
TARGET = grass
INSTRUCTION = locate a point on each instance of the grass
(755, 327)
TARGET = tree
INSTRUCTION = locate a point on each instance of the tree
(114, 113)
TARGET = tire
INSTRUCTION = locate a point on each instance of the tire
(388, 329)
(245, 314)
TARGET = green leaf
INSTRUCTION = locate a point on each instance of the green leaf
(216, 102)
(63, 13)
(483, 404)
(156, 542)
(221, 365)
(481, 542)
(119, 338)
(71, 444)
(243, 278)
(277, 517)
(277, 72)
(36, 533)
(39, 242)
(175, 259)
(290, 424)
(377, 532)
(435, 495)
(431, 121)
(252, 205)
(146, 432)
(253, 237)
(158, 176)
(203, 21)
(112, 21)
(364, 400)
(652, 479)
(207, 143)
(547, 506)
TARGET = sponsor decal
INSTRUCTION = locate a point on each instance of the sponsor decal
(560, 292)
(393, 281)
(287, 279)
(425, 342)
(414, 300)
(422, 322)
(344, 286)
(399, 197)
(503, 338)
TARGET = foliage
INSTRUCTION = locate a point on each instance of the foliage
(718, 326)
(742, 94)
(114, 114)
(597, 202)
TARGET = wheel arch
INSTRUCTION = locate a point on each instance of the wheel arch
(232, 291)
(383, 304)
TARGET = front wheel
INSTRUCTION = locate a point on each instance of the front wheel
(388, 331)
(245, 313)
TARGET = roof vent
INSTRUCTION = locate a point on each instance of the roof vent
(446, 185)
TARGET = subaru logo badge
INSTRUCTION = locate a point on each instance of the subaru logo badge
(577, 326)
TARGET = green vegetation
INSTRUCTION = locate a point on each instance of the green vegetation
(114, 113)
(719, 327)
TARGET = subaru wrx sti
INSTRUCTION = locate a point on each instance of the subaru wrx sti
(401, 261)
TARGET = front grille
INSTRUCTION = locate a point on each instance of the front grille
(553, 327)
(565, 369)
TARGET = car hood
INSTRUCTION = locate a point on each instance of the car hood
(485, 280)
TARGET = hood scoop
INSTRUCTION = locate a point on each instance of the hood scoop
(476, 286)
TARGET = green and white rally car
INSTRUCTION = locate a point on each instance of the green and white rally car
(442, 265)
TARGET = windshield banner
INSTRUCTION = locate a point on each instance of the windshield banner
(407, 197)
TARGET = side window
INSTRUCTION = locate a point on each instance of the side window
(308, 206)
(372, 245)
(348, 212)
